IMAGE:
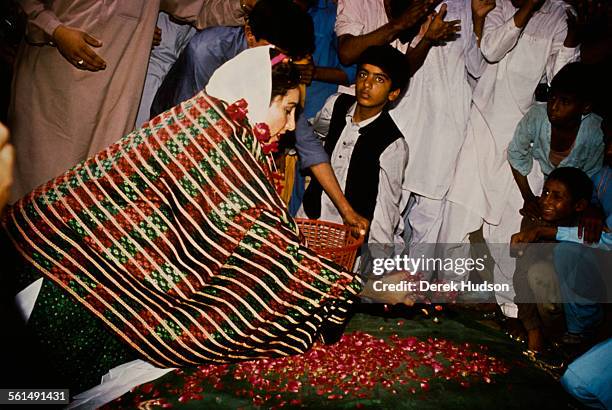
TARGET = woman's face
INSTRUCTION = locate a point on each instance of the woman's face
(281, 114)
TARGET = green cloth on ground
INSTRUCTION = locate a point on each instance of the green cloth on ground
(524, 386)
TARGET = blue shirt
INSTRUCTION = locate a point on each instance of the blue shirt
(325, 55)
(531, 142)
(309, 147)
(602, 195)
(206, 52)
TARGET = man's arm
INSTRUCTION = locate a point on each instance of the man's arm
(476, 14)
(565, 46)
(313, 156)
(437, 32)
(324, 173)
(571, 234)
(520, 158)
(352, 45)
(500, 35)
(333, 75)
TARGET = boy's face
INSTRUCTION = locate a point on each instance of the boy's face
(556, 202)
(564, 109)
(373, 87)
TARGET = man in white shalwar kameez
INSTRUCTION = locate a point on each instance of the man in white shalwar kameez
(432, 114)
(523, 42)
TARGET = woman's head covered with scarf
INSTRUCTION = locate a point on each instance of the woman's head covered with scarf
(266, 81)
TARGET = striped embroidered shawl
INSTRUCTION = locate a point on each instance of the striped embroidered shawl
(177, 241)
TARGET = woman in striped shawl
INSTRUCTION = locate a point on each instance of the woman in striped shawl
(173, 246)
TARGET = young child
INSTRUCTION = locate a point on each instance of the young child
(561, 133)
(576, 265)
(566, 194)
(368, 152)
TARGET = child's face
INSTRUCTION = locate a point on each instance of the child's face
(556, 202)
(373, 87)
(564, 109)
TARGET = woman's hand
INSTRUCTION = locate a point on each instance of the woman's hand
(7, 158)
(75, 44)
(358, 224)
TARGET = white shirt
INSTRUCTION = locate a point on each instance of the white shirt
(518, 59)
(386, 226)
(434, 111)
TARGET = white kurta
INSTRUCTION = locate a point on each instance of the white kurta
(518, 60)
(432, 114)
(483, 187)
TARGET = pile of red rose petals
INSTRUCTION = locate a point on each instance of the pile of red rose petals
(354, 368)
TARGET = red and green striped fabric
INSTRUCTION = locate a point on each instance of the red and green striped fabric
(175, 238)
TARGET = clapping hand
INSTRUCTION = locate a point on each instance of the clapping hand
(75, 44)
(415, 13)
(439, 31)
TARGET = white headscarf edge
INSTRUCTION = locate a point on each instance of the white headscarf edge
(248, 76)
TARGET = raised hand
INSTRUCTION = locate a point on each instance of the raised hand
(480, 8)
(75, 44)
(415, 13)
(439, 31)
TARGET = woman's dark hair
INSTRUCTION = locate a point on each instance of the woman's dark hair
(283, 24)
(285, 77)
(575, 180)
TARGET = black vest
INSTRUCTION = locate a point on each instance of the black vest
(361, 187)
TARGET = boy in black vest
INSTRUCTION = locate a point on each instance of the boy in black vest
(368, 152)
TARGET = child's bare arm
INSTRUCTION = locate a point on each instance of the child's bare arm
(530, 207)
